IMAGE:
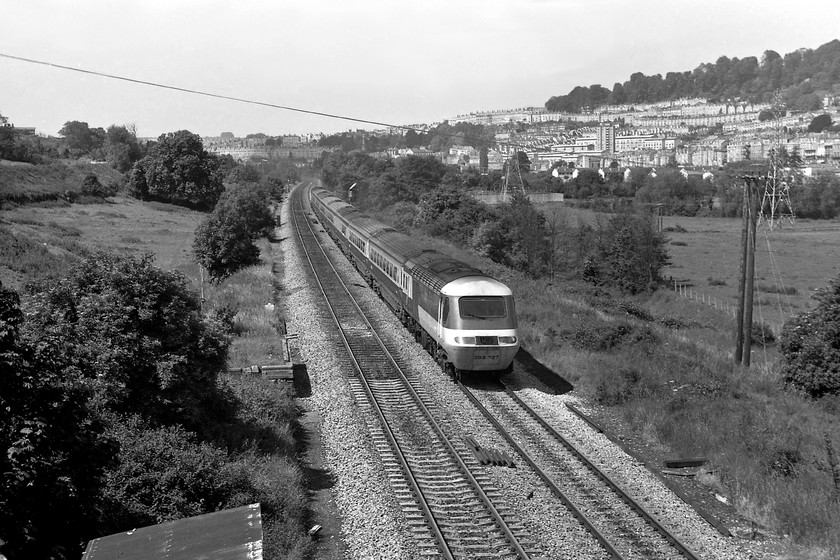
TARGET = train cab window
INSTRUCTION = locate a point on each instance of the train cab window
(444, 314)
(482, 307)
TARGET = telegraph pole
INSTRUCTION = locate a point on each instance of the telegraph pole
(743, 336)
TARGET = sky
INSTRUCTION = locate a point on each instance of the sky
(391, 61)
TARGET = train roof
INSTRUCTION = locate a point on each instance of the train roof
(432, 267)
(476, 286)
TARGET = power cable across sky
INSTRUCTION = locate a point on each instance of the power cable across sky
(227, 97)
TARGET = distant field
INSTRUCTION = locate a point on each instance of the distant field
(122, 225)
(791, 261)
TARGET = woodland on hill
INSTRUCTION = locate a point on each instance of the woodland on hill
(802, 77)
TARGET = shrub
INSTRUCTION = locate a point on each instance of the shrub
(604, 337)
(164, 474)
(762, 334)
(810, 345)
(617, 388)
(716, 282)
(774, 289)
(91, 186)
(635, 310)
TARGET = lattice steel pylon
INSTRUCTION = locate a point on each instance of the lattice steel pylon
(513, 178)
(775, 204)
(781, 174)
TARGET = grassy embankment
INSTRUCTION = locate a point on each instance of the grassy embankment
(41, 240)
(662, 366)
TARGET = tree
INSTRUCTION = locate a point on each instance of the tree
(7, 139)
(450, 213)
(243, 174)
(52, 450)
(810, 345)
(121, 147)
(517, 237)
(80, 139)
(630, 254)
(524, 162)
(419, 174)
(529, 251)
(137, 336)
(820, 123)
(766, 115)
(179, 170)
(224, 241)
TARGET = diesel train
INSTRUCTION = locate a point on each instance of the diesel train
(465, 319)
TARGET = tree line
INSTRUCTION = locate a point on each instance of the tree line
(422, 193)
(438, 138)
(802, 76)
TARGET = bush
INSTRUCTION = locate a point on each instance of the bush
(137, 334)
(774, 289)
(635, 310)
(762, 334)
(810, 345)
(164, 474)
(617, 388)
(91, 186)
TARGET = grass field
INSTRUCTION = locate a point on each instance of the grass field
(791, 262)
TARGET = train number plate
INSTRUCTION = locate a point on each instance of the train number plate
(486, 356)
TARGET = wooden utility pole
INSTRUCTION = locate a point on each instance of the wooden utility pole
(743, 336)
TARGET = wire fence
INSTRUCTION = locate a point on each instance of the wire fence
(688, 291)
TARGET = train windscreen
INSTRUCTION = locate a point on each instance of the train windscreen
(484, 307)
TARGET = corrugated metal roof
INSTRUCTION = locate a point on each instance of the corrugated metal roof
(231, 534)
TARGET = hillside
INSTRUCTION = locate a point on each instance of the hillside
(803, 77)
(22, 183)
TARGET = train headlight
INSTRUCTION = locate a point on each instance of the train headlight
(464, 340)
(507, 340)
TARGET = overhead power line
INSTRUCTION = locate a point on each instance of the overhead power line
(237, 99)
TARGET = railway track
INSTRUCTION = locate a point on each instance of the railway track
(625, 529)
(449, 504)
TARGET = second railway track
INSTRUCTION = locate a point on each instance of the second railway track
(625, 529)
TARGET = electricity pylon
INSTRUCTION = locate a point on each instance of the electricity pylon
(513, 178)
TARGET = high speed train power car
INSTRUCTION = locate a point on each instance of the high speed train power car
(465, 319)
